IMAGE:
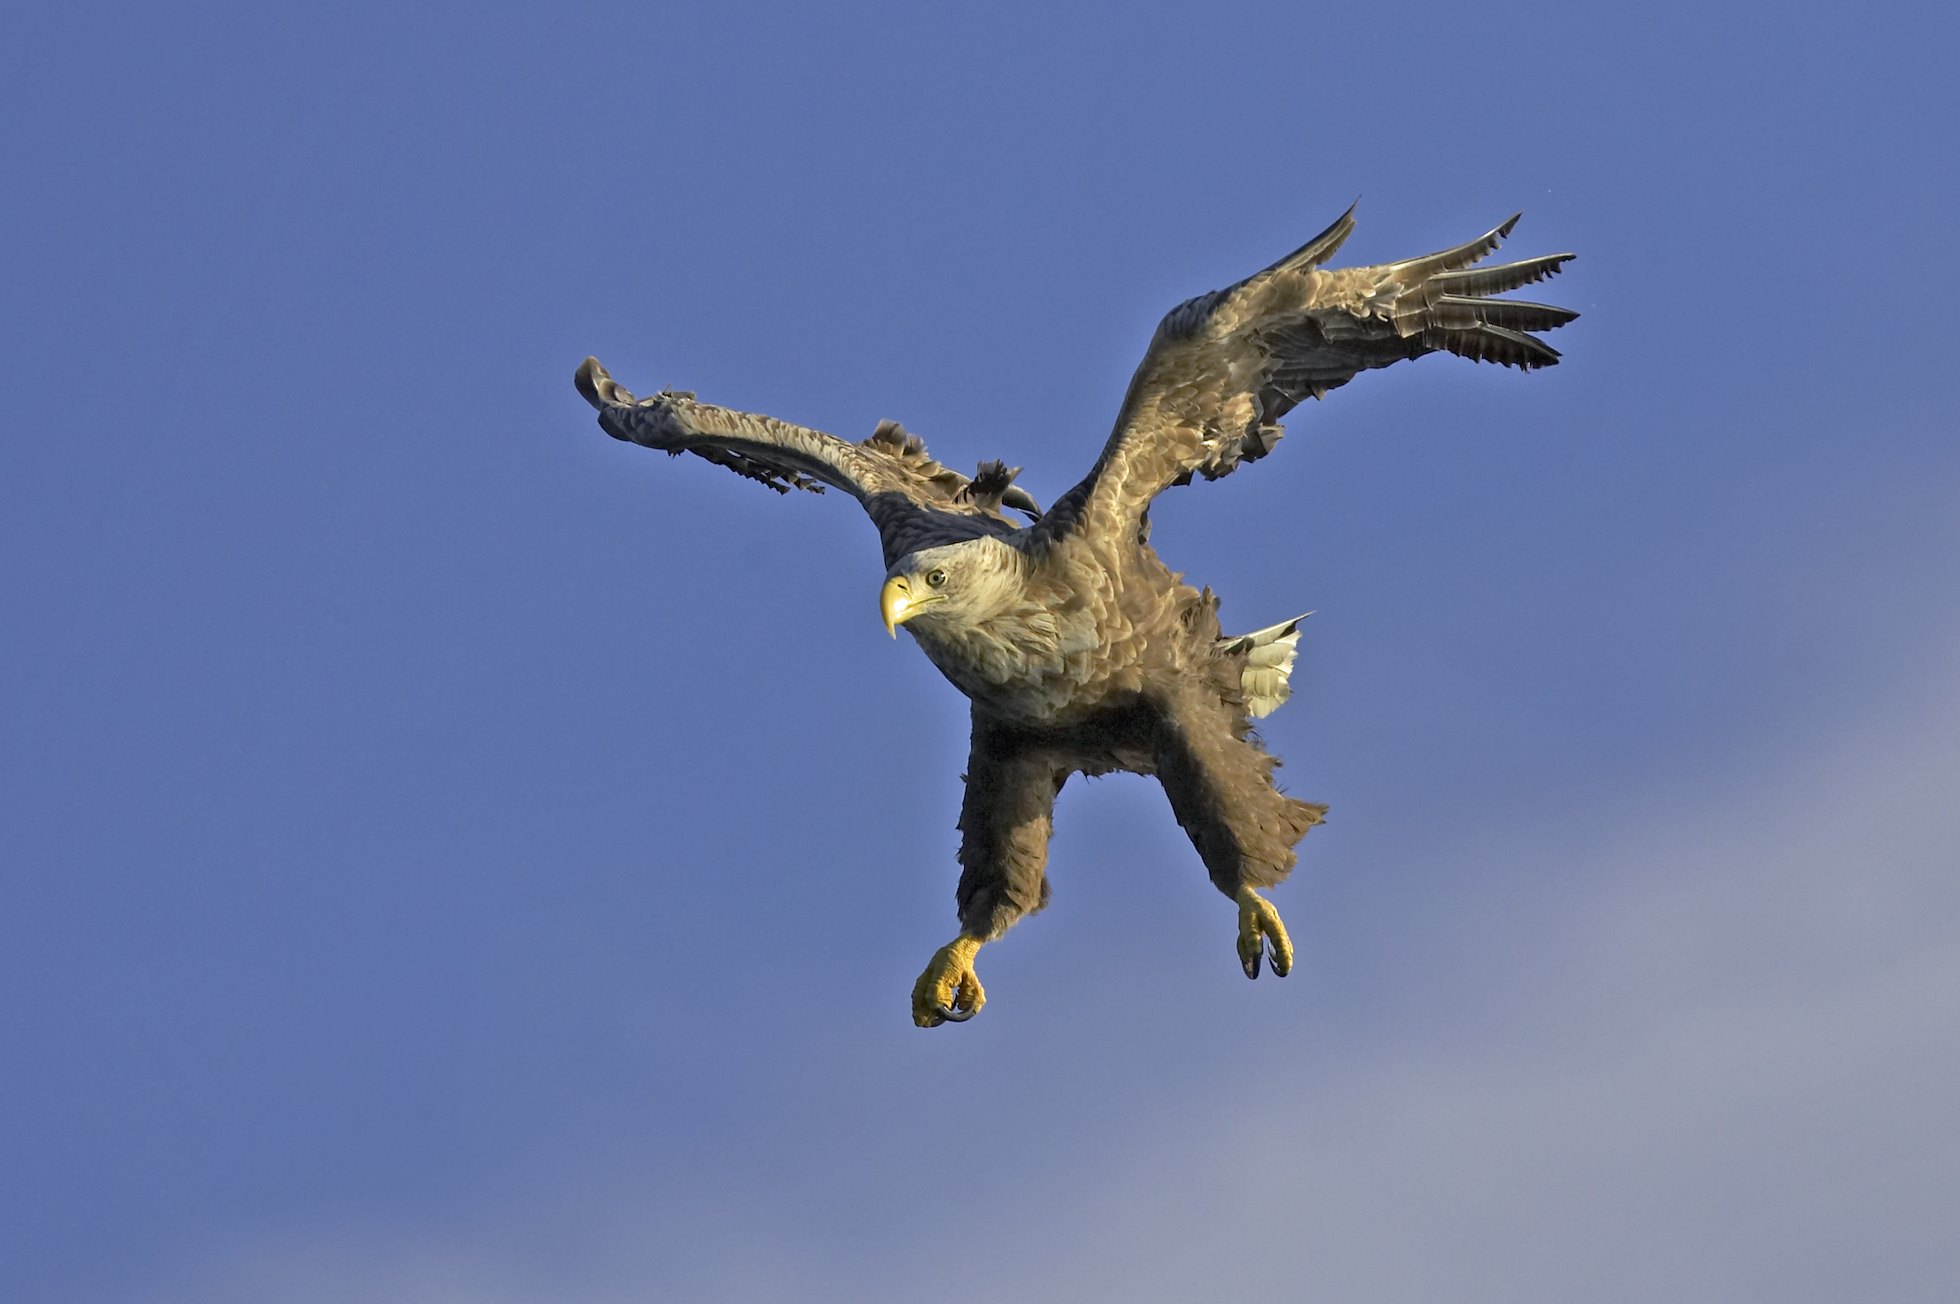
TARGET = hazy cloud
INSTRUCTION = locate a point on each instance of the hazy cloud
(1720, 1064)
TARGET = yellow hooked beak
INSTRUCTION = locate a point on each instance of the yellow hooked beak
(898, 603)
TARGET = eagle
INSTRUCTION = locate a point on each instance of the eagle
(1078, 649)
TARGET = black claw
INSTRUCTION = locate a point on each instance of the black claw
(952, 1015)
(1251, 965)
(1280, 970)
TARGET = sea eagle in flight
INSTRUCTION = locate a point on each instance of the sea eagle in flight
(1081, 652)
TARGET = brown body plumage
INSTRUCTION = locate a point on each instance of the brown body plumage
(1080, 651)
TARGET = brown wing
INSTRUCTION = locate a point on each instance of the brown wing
(1224, 367)
(907, 494)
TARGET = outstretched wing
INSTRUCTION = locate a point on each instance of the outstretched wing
(1223, 368)
(903, 489)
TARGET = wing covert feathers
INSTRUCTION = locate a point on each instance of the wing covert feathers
(907, 493)
(1223, 368)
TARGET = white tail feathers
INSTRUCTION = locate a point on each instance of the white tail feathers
(1268, 671)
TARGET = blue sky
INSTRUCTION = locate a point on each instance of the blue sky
(449, 855)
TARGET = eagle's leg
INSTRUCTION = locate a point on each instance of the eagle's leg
(1011, 782)
(949, 991)
(1220, 786)
(1260, 928)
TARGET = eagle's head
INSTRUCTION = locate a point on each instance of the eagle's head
(952, 588)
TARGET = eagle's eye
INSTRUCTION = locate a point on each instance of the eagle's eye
(936, 579)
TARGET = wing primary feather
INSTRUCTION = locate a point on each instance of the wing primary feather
(1415, 270)
(1500, 277)
(1507, 348)
(1322, 247)
(1512, 314)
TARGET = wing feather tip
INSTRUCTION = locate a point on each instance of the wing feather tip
(597, 387)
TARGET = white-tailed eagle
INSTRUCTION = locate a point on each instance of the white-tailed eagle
(1081, 652)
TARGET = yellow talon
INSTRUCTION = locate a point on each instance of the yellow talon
(1260, 930)
(949, 990)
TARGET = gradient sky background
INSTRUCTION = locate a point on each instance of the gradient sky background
(452, 856)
